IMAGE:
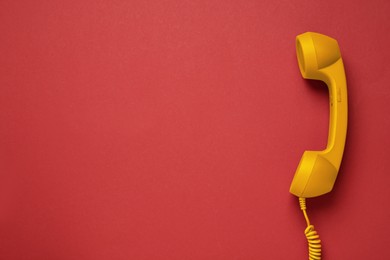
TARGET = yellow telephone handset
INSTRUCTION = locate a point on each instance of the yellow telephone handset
(319, 58)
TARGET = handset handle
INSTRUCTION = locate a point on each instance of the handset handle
(319, 58)
(334, 77)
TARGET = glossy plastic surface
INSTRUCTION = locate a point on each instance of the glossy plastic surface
(319, 58)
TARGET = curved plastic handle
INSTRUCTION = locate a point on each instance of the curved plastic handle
(319, 58)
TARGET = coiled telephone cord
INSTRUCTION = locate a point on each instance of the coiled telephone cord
(312, 236)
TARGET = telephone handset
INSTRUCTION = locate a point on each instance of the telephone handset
(319, 58)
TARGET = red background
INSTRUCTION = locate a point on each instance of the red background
(172, 129)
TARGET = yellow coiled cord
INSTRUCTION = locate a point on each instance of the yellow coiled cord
(312, 236)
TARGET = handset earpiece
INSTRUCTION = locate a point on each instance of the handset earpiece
(319, 58)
